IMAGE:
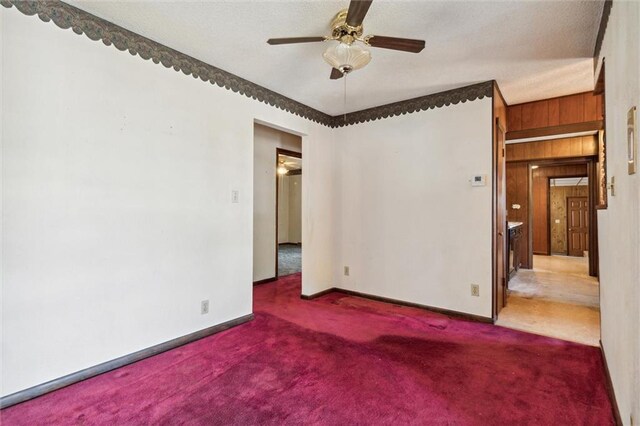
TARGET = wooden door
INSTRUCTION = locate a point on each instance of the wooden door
(577, 225)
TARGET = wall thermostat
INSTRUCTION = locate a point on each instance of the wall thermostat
(479, 180)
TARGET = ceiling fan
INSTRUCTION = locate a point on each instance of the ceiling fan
(347, 29)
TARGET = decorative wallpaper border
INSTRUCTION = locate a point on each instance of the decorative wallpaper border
(66, 16)
(423, 103)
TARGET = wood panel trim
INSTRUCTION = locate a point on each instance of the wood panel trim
(448, 312)
(265, 281)
(289, 153)
(556, 130)
(594, 248)
(104, 367)
(615, 410)
(499, 271)
(581, 147)
(318, 294)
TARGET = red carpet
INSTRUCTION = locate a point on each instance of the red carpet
(342, 360)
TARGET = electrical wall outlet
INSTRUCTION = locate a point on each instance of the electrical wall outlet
(204, 307)
(475, 290)
(235, 196)
(346, 271)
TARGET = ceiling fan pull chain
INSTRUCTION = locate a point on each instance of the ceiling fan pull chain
(345, 98)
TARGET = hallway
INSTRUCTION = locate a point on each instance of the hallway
(556, 298)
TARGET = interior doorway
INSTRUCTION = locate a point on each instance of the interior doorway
(556, 295)
(268, 187)
(569, 216)
(288, 212)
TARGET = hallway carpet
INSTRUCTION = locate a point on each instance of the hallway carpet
(289, 259)
(342, 360)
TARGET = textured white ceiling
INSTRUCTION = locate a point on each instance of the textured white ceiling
(534, 49)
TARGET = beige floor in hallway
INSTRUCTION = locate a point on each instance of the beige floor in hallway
(557, 298)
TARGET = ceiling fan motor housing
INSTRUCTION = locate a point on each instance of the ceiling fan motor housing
(344, 32)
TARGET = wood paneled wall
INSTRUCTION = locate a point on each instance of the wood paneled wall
(518, 156)
(572, 109)
(518, 193)
(540, 201)
(558, 212)
(582, 146)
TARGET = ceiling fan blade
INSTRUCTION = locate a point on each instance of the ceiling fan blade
(395, 43)
(357, 11)
(291, 40)
(336, 74)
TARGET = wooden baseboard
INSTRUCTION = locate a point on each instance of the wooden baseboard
(610, 389)
(266, 280)
(61, 382)
(447, 312)
(315, 295)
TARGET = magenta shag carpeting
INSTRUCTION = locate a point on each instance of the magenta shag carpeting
(342, 360)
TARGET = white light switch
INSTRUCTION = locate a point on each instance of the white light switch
(235, 196)
(557, 220)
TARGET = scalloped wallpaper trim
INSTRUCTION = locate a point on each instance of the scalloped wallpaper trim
(66, 16)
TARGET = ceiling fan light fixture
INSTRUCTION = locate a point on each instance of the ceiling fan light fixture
(282, 170)
(347, 57)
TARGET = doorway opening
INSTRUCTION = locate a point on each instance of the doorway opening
(569, 217)
(288, 212)
(556, 295)
(276, 222)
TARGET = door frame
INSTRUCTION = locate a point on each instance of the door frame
(499, 220)
(288, 153)
(594, 249)
(549, 205)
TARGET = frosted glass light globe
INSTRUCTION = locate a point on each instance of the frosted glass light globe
(347, 57)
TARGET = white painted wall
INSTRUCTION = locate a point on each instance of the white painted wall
(1, 208)
(283, 209)
(289, 209)
(408, 223)
(619, 224)
(295, 209)
(266, 141)
(117, 205)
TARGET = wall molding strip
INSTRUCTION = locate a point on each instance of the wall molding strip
(66, 16)
(422, 103)
(447, 312)
(87, 373)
